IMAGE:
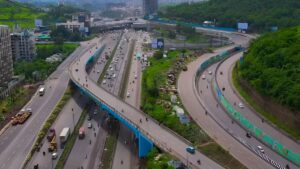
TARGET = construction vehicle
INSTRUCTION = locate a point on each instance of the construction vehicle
(53, 145)
(21, 117)
(50, 135)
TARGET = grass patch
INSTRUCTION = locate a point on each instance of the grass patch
(157, 104)
(273, 119)
(46, 126)
(126, 73)
(109, 148)
(217, 153)
(71, 141)
(12, 13)
(155, 160)
(15, 101)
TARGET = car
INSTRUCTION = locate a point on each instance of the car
(89, 118)
(98, 71)
(241, 105)
(260, 149)
(191, 150)
(135, 76)
(95, 112)
(54, 156)
(203, 77)
(128, 94)
(210, 72)
(248, 134)
(104, 82)
(90, 125)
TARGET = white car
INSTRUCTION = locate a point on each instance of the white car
(98, 71)
(89, 125)
(104, 81)
(260, 149)
(203, 77)
(241, 105)
(128, 94)
(54, 155)
(210, 72)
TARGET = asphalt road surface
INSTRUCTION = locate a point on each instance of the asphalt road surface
(83, 153)
(17, 141)
(126, 148)
(206, 98)
(224, 81)
(160, 135)
(66, 118)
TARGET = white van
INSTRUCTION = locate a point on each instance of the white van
(42, 91)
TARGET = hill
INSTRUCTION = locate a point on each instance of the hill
(260, 14)
(271, 66)
(12, 13)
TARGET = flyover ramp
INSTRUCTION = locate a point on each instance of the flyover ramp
(147, 131)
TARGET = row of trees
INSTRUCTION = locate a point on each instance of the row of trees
(271, 65)
(61, 34)
(261, 15)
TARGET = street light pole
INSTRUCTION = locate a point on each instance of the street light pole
(73, 119)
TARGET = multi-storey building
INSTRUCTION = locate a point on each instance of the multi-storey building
(150, 7)
(72, 26)
(23, 46)
(6, 62)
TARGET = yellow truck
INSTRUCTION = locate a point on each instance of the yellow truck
(21, 117)
(53, 145)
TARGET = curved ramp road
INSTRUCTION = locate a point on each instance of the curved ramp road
(162, 137)
(191, 101)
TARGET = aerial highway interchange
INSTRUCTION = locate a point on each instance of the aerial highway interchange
(198, 97)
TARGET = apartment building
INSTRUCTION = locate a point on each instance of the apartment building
(6, 61)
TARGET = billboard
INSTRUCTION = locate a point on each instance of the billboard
(154, 44)
(158, 43)
(38, 23)
(242, 26)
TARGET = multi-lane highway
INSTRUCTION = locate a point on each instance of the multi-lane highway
(16, 142)
(216, 122)
(85, 154)
(150, 128)
(126, 149)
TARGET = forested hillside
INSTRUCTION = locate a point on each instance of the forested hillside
(261, 14)
(12, 13)
(272, 66)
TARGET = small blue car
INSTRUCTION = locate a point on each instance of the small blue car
(191, 150)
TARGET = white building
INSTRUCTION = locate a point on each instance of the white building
(72, 25)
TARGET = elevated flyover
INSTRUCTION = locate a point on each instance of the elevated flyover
(147, 130)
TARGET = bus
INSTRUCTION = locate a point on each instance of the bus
(42, 91)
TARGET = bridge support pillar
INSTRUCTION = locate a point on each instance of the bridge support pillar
(145, 145)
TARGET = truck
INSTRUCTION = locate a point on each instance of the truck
(81, 133)
(64, 135)
(53, 145)
(41, 91)
(21, 117)
(50, 135)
